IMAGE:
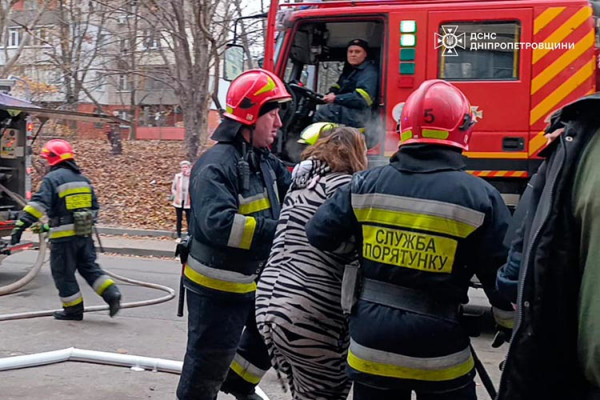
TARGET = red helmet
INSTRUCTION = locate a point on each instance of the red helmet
(437, 113)
(57, 151)
(250, 91)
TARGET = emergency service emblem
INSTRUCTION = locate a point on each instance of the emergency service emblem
(449, 40)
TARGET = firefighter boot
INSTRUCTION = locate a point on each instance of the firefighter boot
(112, 297)
(74, 313)
(229, 388)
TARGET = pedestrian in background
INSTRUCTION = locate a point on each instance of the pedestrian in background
(180, 196)
(298, 309)
(555, 348)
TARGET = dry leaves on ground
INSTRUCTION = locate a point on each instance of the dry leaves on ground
(133, 188)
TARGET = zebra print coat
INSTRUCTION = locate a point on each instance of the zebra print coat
(298, 308)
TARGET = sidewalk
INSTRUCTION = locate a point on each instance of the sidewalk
(133, 242)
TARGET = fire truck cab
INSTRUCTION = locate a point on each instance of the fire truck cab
(516, 60)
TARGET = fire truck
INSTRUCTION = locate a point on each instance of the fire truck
(20, 124)
(516, 60)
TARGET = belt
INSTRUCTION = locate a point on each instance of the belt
(57, 221)
(216, 258)
(402, 298)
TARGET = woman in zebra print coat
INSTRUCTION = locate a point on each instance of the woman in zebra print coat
(298, 308)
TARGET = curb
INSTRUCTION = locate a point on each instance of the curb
(129, 251)
(105, 230)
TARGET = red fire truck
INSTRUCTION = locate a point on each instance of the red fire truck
(516, 60)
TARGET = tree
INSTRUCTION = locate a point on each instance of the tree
(195, 41)
(17, 30)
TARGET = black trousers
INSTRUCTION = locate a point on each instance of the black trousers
(179, 212)
(74, 254)
(214, 329)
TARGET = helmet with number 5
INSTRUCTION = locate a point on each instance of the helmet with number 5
(437, 113)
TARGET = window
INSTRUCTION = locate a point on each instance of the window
(100, 81)
(40, 36)
(329, 72)
(480, 50)
(124, 45)
(151, 39)
(14, 37)
(124, 83)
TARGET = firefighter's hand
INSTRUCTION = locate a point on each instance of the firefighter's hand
(39, 228)
(502, 336)
(329, 98)
(15, 235)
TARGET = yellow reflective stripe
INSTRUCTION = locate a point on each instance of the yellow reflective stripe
(218, 284)
(366, 96)
(75, 191)
(269, 86)
(382, 363)
(73, 299)
(406, 135)
(424, 222)
(434, 134)
(33, 211)
(66, 156)
(62, 231)
(242, 232)
(246, 370)
(394, 371)
(73, 303)
(505, 319)
(255, 206)
(336, 86)
(104, 286)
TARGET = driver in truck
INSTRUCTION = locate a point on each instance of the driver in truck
(350, 99)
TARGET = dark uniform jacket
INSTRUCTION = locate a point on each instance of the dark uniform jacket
(356, 91)
(63, 190)
(423, 227)
(542, 358)
(232, 228)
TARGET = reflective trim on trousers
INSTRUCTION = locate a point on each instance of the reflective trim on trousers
(429, 215)
(102, 283)
(248, 372)
(72, 300)
(383, 363)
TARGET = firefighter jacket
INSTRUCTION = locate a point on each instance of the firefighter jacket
(355, 92)
(232, 227)
(424, 227)
(542, 360)
(63, 190)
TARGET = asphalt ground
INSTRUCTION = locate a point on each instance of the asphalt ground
(152, 331)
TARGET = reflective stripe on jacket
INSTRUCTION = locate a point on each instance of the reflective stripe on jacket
(423, 224)
(232, 228)
(63, 190)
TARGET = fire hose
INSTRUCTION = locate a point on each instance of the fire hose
(11, 288)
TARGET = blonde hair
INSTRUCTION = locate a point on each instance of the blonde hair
(344, 150)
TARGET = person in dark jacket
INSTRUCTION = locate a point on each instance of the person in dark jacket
(236, 189)
(350, 99)
(555, 347)
(67, 197)
(423, 227)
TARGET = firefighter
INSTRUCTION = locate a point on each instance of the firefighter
(67, 197)
(236, 187)
(350, 99)
(423, 226)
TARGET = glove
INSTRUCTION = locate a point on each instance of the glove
(39, 228)
(15, 235)
(504, 326)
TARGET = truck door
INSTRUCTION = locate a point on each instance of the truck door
(482, 53)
